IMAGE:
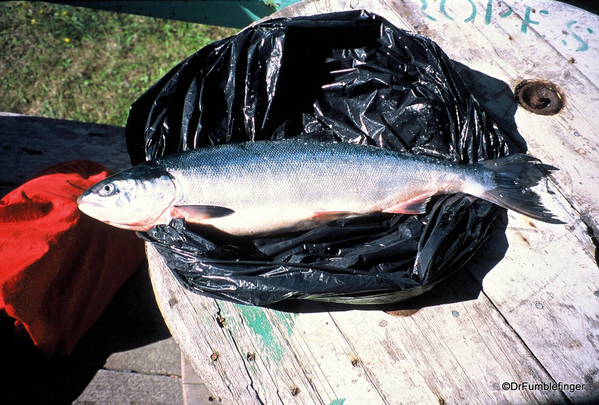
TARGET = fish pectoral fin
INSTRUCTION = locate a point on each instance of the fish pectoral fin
(415, 205)
(199, 213)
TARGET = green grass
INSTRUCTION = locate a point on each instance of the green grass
(75, 63)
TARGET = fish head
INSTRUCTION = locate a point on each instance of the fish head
(134, 199)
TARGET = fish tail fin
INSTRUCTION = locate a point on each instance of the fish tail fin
(513, 177)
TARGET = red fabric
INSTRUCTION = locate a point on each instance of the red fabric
(59, 268)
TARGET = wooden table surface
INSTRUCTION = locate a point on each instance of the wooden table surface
(520, 325)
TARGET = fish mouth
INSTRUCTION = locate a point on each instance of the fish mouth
(80, 201)
(89, 209)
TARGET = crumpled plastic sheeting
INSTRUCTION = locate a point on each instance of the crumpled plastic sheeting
(359, 78)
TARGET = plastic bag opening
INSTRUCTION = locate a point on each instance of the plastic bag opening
(350, 76)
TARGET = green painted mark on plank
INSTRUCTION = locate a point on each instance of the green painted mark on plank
(339, 401)
(286, 318)
(257, 319)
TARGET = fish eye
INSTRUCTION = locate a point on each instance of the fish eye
(107, 190)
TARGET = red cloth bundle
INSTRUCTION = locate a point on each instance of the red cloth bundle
(59, 268)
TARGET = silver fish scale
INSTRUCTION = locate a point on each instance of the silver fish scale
(297, 174)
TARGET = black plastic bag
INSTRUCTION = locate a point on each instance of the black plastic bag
(351, 76)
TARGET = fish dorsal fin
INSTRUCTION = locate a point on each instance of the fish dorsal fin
(415, 205)
(199, 213)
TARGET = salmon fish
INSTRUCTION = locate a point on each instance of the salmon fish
(264, 187)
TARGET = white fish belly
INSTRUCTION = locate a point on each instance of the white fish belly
(263, 220)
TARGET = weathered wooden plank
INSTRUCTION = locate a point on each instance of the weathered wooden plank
(550, 299)
(195, 391)
(455, 352)
(459, 352)
(193, 319)
(245, 354)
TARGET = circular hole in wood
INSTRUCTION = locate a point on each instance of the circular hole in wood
(540, 97)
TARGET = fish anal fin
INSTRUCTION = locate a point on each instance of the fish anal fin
(199, 213)
(415, 205)
(326, 216)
